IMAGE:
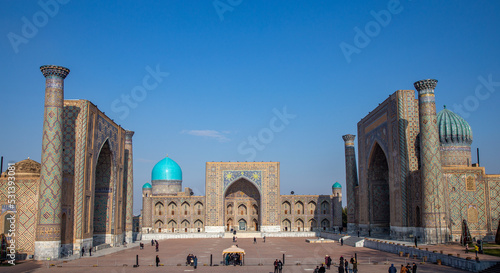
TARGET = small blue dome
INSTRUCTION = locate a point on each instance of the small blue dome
(337, 186)
(147, 186)
(166, 169)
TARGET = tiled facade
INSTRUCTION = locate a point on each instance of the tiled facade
(79, 194)
(402, 160)
(241, 196)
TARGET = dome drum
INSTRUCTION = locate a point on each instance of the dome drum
(167, 187)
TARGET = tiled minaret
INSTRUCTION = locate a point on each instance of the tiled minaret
(351, 176)
(48, 230)
(433, 199)
(130, 186)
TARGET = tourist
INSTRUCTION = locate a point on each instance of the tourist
(280, 266)
(341, 261)
(392, 269)
(157, 260)
(254, 240)
(355, 266)
(346, 265)
(328, 261)
(316, 270)
(83, 251)
(466, 248)
(264, 238)
(415, 241)
(408, 267)
(276, 266)
(90, 251)
(157, 247)
(234, 238)
(403, 269)
(195, 262)
(322, 269)
(341, 268)
(152, 242)
(341, 241)
(414, 268)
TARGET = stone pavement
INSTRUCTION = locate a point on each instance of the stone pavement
(299, 257)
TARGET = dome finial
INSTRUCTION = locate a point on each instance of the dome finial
(445, 106)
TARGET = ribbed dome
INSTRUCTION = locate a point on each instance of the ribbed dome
(453, 129)
(147, 186)
(337, 186)
(166, 169)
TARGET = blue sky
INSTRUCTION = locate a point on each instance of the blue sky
(233, 64)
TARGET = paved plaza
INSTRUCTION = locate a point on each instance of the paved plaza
(300, 256)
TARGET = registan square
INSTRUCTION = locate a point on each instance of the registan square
(252, 137)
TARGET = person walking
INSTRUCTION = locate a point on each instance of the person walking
(264, 238)
(276, 266)
(416, 241)
(392, 269)
(152, 242)
(346, 265)
(83, 251)
(90, 251)
(341, 241)
(157, 247)
(414, 268)
(328, 261)
(157, 260)
(195, 262)
(254, 240)
(280, 266)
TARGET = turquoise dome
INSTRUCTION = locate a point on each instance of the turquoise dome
(453, 129)
(166, 169)
(147, 186)
(337, 186)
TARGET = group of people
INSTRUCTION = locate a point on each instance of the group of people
(192, 260)
(83, 251)
(234, 259)
(156, 244)
(278, 266)
(404, 269)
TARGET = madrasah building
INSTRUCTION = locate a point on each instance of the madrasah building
(242, 196)
(415, 175)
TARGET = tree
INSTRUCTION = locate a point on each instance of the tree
(344, 216)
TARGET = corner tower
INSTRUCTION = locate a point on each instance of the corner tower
(434, 223)
(351, 176)
(48, 228)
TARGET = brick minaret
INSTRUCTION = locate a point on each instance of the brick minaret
(433, 199)
(48, 230)
(351, 176)
(130, 186)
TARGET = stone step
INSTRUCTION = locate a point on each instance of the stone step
(243, 234)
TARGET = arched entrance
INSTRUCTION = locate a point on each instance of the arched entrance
(379, 195)
(103, 195)
(242, 201)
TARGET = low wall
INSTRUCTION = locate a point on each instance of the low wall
(453, 261)
(162, 236)
(291, 234)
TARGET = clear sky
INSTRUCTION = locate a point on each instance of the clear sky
(197, 79)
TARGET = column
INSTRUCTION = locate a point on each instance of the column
(130, 186)
(48, 229)
(351, 176)
(433, 199)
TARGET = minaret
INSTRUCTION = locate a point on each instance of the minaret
(337, 204)
(147, 208)
(433, 199)
(351, 176)
(130, 187)
(48, 229)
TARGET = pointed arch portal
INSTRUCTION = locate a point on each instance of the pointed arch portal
(242, 195)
